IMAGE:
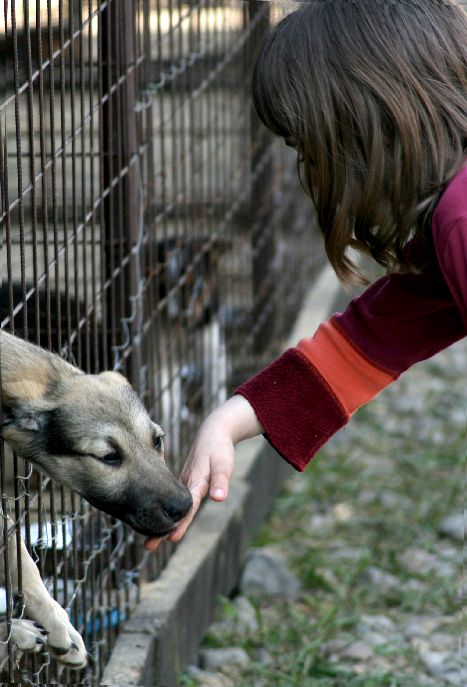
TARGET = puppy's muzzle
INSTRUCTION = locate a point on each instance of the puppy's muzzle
(159, 519)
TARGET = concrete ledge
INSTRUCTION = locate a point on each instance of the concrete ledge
(164, 631)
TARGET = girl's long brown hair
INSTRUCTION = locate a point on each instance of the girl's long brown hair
(374, 94)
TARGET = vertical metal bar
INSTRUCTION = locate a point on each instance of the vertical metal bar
(92, 160)
(186, 245)
(75, 178)
(53, 156)
(101, 46)
(230, 125)
(133, 188)
(32, 182)
(85, 362)
(65, 307)
(4, 501)
(107, 30)
(121, 173)
(202, 134)
(151, 270)
(212, 170)
(66, 88)
(63, 180)
(81, 605)
(174, 235)
(44, 198)
(263, 251)
(19, 163)
(91, 613)
(120, 242)
(165, 202)
(46, 331)
(17, 511)
(32, 174)
(102, 77)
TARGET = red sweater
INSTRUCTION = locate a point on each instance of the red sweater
(311, 391)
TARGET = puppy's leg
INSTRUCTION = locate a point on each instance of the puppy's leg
(62, 639)
(23, 635)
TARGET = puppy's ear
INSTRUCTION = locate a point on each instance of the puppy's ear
(28, 371)
(115, 377)
(21, 390)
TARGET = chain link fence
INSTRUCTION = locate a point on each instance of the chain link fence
(149, 225)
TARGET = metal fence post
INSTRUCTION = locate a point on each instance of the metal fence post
(121, 185)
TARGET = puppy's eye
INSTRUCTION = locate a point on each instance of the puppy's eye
(158, 443)
(114, 459)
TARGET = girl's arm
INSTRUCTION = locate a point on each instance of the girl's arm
(312, 390)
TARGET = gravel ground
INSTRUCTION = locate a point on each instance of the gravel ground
(356, 577)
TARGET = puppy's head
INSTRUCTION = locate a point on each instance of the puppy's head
(93, 434)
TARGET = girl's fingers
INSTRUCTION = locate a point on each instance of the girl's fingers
(151, 544)
(181, 529)
(218, 492)
(221, 472)
(216, 482)
(198, 492)
(198, 487)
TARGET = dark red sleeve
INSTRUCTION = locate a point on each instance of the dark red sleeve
(402, 319)
(296, 407)
(450, 239)
(453, 261)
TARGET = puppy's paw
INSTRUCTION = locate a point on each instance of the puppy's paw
(27, 636)
(64, 642)
(74, 655)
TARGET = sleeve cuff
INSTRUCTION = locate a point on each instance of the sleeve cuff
(296, 407)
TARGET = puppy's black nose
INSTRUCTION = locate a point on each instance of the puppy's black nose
(178, 507)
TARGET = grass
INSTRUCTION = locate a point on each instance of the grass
(384, 486)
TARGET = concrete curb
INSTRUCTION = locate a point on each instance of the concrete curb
(164, 631)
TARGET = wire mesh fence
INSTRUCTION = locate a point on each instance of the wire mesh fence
(149, 225)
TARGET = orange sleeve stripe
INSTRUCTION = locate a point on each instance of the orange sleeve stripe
(353, 379)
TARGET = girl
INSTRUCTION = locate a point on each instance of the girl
(373, 95)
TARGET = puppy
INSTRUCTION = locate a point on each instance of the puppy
(93, 434)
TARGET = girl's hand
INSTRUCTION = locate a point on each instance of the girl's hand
(210, 463)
